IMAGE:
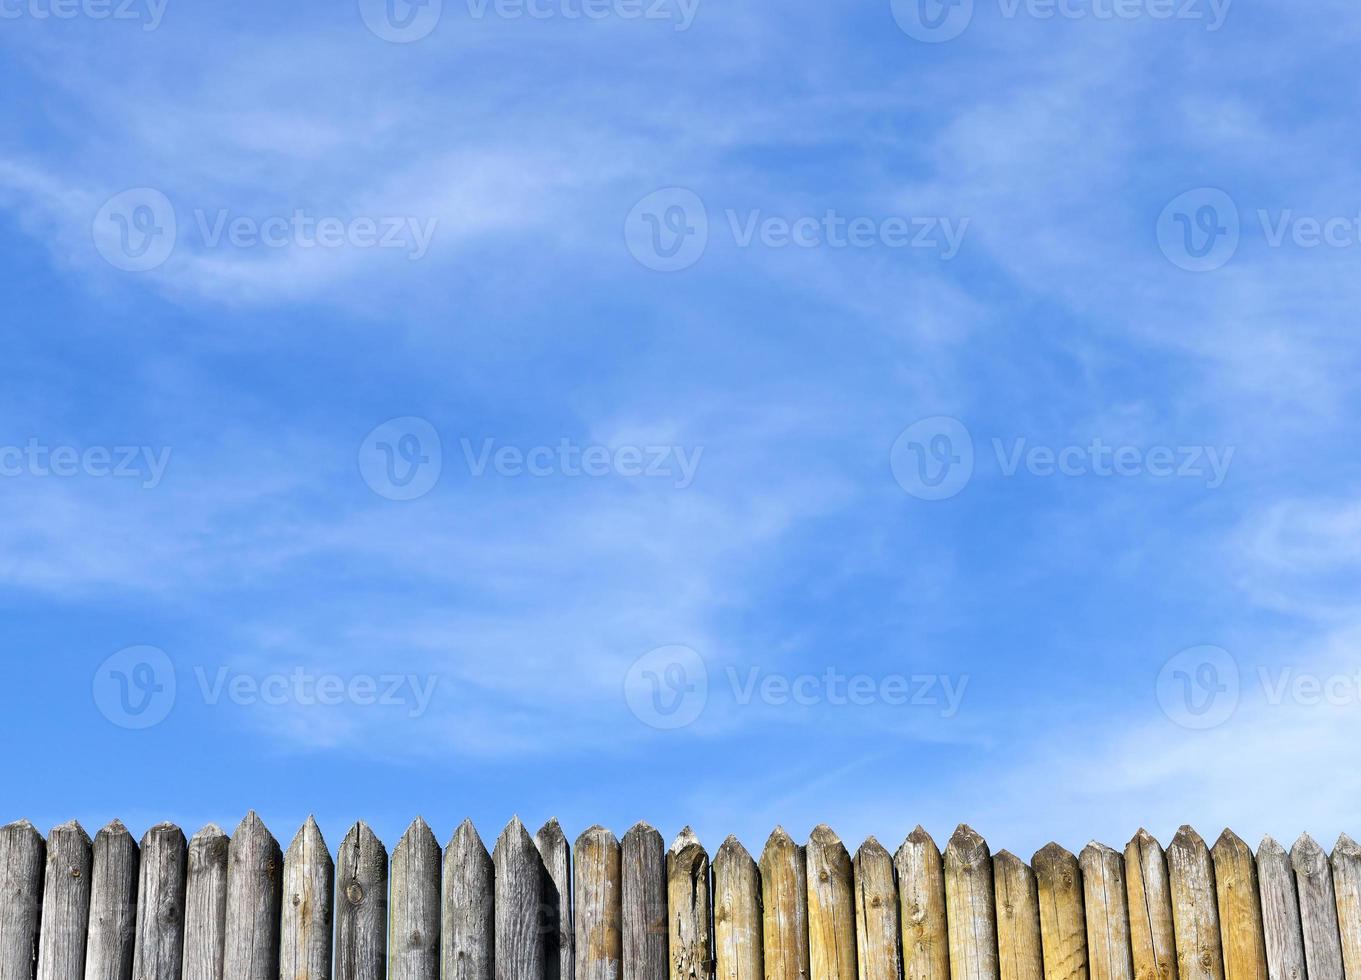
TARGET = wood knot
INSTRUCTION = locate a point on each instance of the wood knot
(824, 876)
(297, 900)
(355, 893)
(876, 902)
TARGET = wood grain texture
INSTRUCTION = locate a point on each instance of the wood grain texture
(158, 952)
(921, 908)
(1105, 900)
(1195, 908)
(644, 871)
(1318, 910)
(1347, 888)
(738, 919)
(254, 902)
(414, 935)
(361, 913)
(559, 936)
(1153, 942)
(1019, 941)
(598, 906)
(1240, 909)
(877, 931)
(110, 944)
(309, 904)
(520, 875)
(687, 908)
(23, 859)
(831, 906)
(784, 898)
(66, 903)
(468, 939)
(970, 904)
(1063, 922)
(1282, 933)
(205, 905)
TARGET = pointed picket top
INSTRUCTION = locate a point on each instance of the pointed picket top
(1230, 845)
(516, 837)
(1187, 839)
(466, 839)
(252, 827)
(23, 828)
(1306, 856)
(551, 832)
(1144, 840)
(779, 839)
(113, 830)
(918, 840)
(1097, 851)
(71, 828)
(163, 833)
(732, 850)
(418, 834)
(308, 838)
(361, 836)
(871, 848)
(1009, 860)
(596, 834)
(920, 836)
(684, 841)
(1270, 846)
(1346, 847)
(643, 830)
(825, 836)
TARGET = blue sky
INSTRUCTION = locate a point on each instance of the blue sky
(1121, 233)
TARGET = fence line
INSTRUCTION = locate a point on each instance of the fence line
(537, 908)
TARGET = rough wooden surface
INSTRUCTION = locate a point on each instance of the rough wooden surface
(687, 908)
(784, 898)
(113, 905)
(1106, 901)
(969, 901)
(361, 912)
(1017, 898)
(1153, 943)
(23, 856)
(876, 913)
(306, 933)
(831, 907)
(559, 936)
(1281, 930)
(1347, 887)
(159, 947)
(598, 909)
(1318, 909)
(520, 875)
(1195, 909)
(737, 914)
(205, 905)
(468, 935)
(1063, 928)
(66, 903)
(644, 874)
(921, 908)
(1240, 909)
(414, 933)
(254, 900)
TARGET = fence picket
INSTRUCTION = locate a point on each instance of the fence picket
(158, 952)
(1153, 943)
(205, 905)
(1240, 909)
(970, 906)
(737, 913)
(520, 901)
(921, 906)
(1281, 929)
(598, 909)
(254, 897)
(305, 937)
(414, 936)
(361, 947)
(1019, 941)
(558, 934)
(644, 875)
(1105, 900)
(831, 906)
(66, 903)
(1195, 912)
(113, 905)
(876, 913)
(1318, 909)
(687, 908)
(784, 897)
(23, 855)
(1347, 887)
(1063, 928)
(468, 932)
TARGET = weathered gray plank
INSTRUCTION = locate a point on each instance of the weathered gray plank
(784, 898)
(414, 938)
(598, 905)
(1281, 931)
(1240, 909)
(876, 913)
(113, 905)
(159, 949)
(1195, 909)
(1019, 942)
(1347, 887)
(468, 940)
(737, 915)
(520, 875)
(254, 900)
(23, 854)
(1318, 910)
(1063, 927)
(687, 908)
(831, 906)
(970, 903)
(558, 935)
(361, 947)
(921, 904)
(66, 903)
(205, 905)
(1152, 934)
(309, 901)
(644, 872)
(1105, 900)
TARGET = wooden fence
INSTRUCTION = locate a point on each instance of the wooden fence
(535, 908)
